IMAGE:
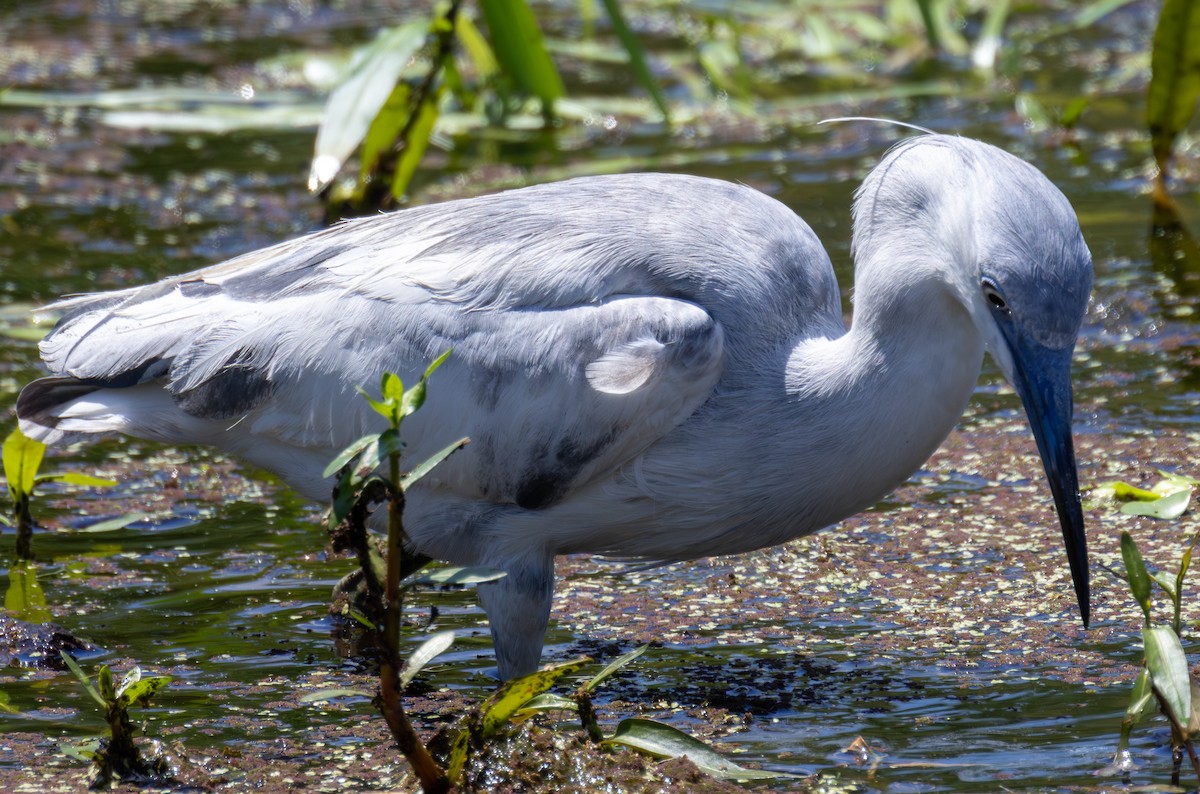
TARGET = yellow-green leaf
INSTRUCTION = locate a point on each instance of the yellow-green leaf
(77, 478)
(1174, 75)
(22, 457)
(476, 47)
(387, 124)
(417, 142)
(25, 597)
(517, 692)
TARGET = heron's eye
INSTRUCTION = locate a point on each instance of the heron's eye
(993, 296)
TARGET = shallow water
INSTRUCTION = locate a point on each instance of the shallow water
(226, 585)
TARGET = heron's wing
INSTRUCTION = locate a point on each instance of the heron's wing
(551, 391)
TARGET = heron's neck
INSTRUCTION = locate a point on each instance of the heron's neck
(885, 395)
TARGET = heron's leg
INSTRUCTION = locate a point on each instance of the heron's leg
(518, 609)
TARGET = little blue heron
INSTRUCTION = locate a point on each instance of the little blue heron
(649, 366)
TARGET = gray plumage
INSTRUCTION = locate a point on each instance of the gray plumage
(649, 366)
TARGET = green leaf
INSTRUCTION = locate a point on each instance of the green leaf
(1141, 703)
(381, 408)
(75, 478)
(386, 126)
(368, 460)
(453, 576)
(613, 667)
(83, 751)
(1135, 568)
(637, 58)
(25, 597)
(354, 104)
(1168, 670)
(519, 48)
(391, 387)
(104, 683)
(1174, 75)
(427, 465)
(417, 143)
(510, 697)
(476, 47)
(347, 454)
(325, 695)
(22, 457)
(131, 678)
(1167, 583)
(504, 703)
(547, 701)
(1126, 492)
(434, 646)
(414, 399)
(140, 692)
(1170, 506)
(1175, 477)
(73, 666)
(663, 741)
(436, 363)
(113, 524)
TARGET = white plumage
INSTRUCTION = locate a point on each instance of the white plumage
(649, 366)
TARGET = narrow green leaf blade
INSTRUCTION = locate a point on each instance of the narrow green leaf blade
(519, 48)
(22, 456)
(76, 478)
(113, 524)
(418, 142)
(1168, 670)
(1174, 75)
(427, 465)
(74, 667)
(434, 646)
(614, 666)
(381, 136)
(637, 57)
(663, 741)
(348, 453)
(354, 104)
(1166, 582)
(437, 362)
(476, 47)
(1135, 568)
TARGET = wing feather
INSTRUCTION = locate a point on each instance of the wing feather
(584, 329)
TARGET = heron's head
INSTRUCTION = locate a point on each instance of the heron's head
(1004, 241)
